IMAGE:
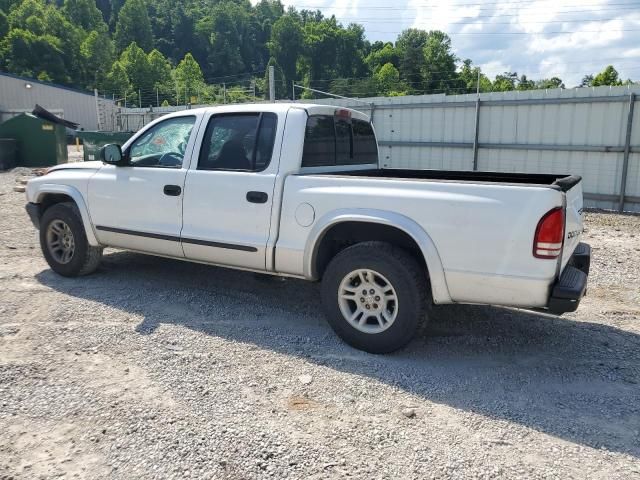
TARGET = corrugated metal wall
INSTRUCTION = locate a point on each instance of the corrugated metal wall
(580, 131)
(73, 105)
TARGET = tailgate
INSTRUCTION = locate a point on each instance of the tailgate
(573, 223)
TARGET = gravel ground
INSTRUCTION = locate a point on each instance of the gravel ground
(153, 368)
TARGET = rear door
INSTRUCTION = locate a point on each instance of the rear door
(229, 190)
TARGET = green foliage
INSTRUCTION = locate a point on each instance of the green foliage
(33, 55)
(410, 46)
(160, 71)
(98, 54)
(188, 79)
(133, 25)
(470, 75)
(280, 81)
(439, 66)
(285, 45)
(505, 82)
(383, 55)
(4, 24)
(548, 83)
(118, 82)
(609, 76)
(132, 47)
(84, 14)
(387, 79)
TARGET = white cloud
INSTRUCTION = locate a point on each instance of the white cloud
(512, 35)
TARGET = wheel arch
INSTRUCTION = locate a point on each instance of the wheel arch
(50, 194)
(407, 229)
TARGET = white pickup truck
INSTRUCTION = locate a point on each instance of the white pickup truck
(296, 190)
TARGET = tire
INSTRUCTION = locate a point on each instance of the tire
(64, 220)
(388, 326)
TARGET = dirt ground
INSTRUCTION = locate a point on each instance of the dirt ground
(153, 368)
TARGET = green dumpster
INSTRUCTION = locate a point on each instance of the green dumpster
(93, 141)
(8, 153)
(41, 143)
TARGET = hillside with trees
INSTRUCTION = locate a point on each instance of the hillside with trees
(173, 52)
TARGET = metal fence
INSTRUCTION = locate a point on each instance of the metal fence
(592, 132)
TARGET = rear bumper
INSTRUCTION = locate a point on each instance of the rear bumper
(33, 210)
(569, 289)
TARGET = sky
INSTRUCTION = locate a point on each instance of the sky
(541, 39)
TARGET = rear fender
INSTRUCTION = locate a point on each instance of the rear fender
(437, 279)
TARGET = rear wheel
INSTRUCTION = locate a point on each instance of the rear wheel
(64, 242)
(374, 296)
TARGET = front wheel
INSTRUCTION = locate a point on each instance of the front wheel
(64, 242)
(374, 296)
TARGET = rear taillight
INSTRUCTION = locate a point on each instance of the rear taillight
(547, 242)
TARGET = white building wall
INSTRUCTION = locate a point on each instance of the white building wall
(73, 105)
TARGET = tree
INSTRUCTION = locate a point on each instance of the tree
(609, 76)
(285, 45)
(84, 14)
(321, 40)
(525, 84)
(505, 82)
(281, 84)
(469, 77)
(133, 25)
(160, 73)
(4, 24)
(227, 38)
(410, 46)
(587, 81)
(439, 65)
(381, 55)
(388, 79)
(350, 51)
(117, 82)
(136, 64)
(98, 54)
(548, 83)
(33, 55)
(188, 78)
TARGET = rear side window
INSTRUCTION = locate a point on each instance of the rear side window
(238, 142)
(331, 141)
(365, 147)
(319, 142)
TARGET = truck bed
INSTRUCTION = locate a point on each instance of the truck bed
(561, 182)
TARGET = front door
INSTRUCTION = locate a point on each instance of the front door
(229, 193)
(139, 206)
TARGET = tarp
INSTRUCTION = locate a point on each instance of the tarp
(43, 113)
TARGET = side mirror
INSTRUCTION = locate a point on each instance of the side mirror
(111, 154)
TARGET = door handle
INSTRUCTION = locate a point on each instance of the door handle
(172, 190)
(257, 197)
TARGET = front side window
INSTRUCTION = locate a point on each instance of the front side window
(163, 145)
(238, 142)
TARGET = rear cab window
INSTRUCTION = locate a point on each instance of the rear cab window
(334, 140)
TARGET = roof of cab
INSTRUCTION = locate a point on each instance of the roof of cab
(311, 109)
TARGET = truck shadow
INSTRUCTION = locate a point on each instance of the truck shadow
(572, 379)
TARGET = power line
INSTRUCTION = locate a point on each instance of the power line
(527, 33)
(516, 4)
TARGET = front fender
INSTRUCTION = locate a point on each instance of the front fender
(48, 188)
(437, 278)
